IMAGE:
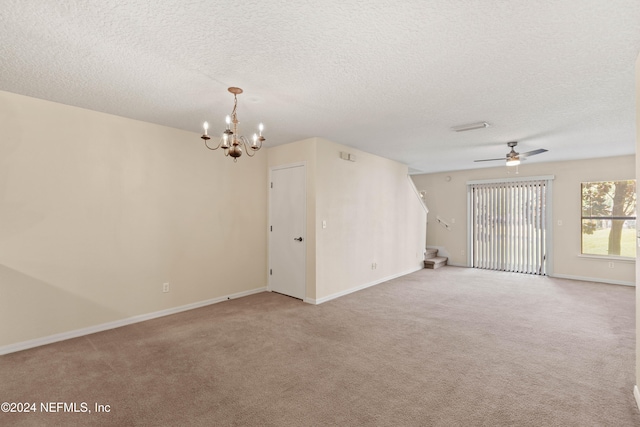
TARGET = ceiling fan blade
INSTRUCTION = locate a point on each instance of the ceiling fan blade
(489, 160)
(533, 152)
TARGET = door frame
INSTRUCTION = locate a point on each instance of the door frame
(302, 164)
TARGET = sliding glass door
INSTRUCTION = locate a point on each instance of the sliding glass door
(508, 223)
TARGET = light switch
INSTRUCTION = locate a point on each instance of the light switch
(324, 223)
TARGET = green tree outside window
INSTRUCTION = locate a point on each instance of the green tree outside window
(609, 218)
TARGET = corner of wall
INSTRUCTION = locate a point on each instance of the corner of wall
(637, 269)
(375, 221)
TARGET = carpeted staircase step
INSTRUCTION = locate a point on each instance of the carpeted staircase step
(430, 253)
(436, 262)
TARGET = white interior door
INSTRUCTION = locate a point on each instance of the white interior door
(287, 238)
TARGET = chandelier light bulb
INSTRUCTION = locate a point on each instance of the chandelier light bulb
(228, 121)
(260, 128)
(205, 125)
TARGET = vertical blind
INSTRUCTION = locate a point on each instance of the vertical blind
(509, 227)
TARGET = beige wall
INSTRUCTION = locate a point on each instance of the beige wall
(448, 199)
(373, 215)
(97, 211)
(372, 211)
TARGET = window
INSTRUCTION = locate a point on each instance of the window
(609, 218)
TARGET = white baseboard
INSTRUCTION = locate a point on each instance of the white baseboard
(359, 288)
(636, 394)
(592, 279)
(453, 264)
(24, 345)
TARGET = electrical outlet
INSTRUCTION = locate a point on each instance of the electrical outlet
(610, 264)
(165, 287)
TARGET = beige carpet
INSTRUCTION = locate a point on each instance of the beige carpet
(447, 347)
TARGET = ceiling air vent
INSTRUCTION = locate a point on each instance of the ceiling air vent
(470, 126)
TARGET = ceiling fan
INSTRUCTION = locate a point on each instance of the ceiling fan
(513, 158)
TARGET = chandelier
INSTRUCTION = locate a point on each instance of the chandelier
(231, 142)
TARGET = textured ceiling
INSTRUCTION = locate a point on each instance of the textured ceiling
(387, 77)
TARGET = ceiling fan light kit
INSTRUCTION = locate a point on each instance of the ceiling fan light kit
(513, 157)
(470, 126)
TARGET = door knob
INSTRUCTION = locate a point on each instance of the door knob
(299, 239)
